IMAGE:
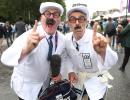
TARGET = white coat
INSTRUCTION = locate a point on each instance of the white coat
(34, 70)
(89, 63)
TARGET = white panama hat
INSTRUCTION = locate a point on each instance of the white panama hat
(78, 7)
(45, 5)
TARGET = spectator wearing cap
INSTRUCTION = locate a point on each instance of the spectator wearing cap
(31, 52)
(95, 57)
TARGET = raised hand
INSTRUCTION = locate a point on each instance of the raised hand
(32, 40)
(99, 41)
(34, 37)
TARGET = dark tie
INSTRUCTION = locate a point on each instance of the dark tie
(77, 46)
(50, 48)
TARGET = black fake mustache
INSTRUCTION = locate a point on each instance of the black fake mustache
(77, 27)
(50, 21)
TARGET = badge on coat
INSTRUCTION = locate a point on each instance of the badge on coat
(87, 60)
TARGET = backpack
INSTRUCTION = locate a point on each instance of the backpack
(59, 91)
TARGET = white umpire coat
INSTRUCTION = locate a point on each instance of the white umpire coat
(90, 63)
(34, 70)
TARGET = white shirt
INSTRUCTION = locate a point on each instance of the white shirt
(34, 70)
(88, 61)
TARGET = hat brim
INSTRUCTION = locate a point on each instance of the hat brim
(79, 9)
(47, 5)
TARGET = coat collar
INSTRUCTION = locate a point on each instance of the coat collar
(85, 38)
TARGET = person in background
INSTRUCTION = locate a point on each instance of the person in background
(125, 42)
(95, 57)
(20, 26)
(8, 33)
(90, 25)
(99, 30)
(110, 31)
(31, 52)
(104, 23)
(65, 28)
(118, 39)
(2, 35)
(13, 31)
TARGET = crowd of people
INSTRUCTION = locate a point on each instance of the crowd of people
(85, 51)
(117, 32)
(110, 28)
(10, 31)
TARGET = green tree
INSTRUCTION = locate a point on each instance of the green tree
(28, 9)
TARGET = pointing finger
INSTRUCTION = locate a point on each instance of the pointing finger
(95, 29)
(35, 26)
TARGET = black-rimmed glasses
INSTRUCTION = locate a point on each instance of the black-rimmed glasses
(74, 19)
(48, 14)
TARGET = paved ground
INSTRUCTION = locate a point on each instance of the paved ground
(121, 82)
(5, 92)
(120, 90)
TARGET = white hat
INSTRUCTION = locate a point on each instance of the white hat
(45, 5)
(78, 7)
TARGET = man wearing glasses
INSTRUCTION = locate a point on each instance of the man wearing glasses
(31, 52)
(95, 56)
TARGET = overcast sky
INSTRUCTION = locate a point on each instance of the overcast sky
(94, 5)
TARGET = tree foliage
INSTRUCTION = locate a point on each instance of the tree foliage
(28, 9)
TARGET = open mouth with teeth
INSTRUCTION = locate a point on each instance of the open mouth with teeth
(50, 23)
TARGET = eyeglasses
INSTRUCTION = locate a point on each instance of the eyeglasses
(74, 19)
(48, 14)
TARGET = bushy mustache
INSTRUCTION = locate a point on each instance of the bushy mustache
(77, 27)
(50, 21)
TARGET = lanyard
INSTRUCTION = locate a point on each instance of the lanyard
(56, 41)
(77, 45)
